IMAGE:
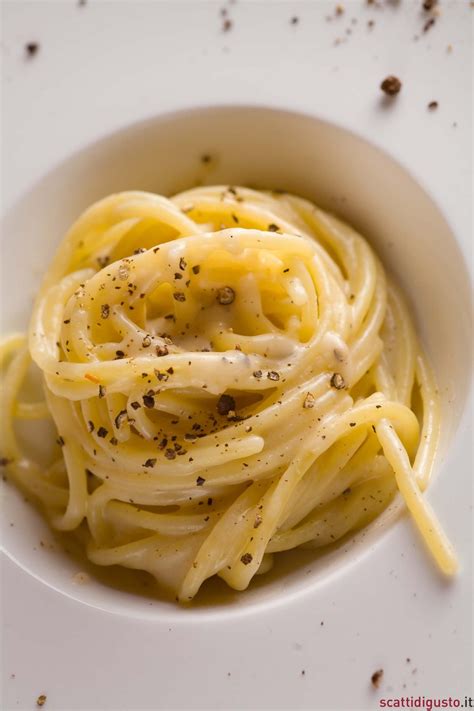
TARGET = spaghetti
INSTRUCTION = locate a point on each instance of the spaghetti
(231, 375)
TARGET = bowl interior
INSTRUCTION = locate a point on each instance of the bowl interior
(263, 148)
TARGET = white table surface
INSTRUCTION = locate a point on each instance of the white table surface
(106, 64)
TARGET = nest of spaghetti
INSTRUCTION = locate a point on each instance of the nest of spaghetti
(231, 375)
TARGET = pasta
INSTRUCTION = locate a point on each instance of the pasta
(231, 375)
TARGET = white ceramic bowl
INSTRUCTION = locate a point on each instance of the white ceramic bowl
(265, 148)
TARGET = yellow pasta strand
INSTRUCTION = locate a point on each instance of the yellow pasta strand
(422, 513)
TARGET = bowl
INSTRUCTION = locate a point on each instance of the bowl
(263, 148)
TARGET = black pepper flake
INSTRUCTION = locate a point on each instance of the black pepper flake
(376, 678)
(429, 4)
(429, 24)
(294, 20)
(4, 461)
(257, 374)
(246, 558)
(136, 405)
(309, 401)
(150, 463)
(103, 261)
(90, 426)
(113, 441)
(182, 263)
(177, 275)
(41, 700)
(209, 502)
(273, 375)
(352, 424)
(163, 443)
(161, 351)
(170, 454)
(232, 417)
(120, 419)
(391, 85)
(179, 296)
(101, 391)
(200, 481)
(347, 491)
(102, 432)
(272, 227)
(105, 311)
(146, 343)
(160, 376)
(206, 158)
(60, 441)
(433, 105)
(196, 269)
(32, 48)
(337, 381)
(225, 295)
(149, 401)
(225, 404)
(227, 25)
(258, 521)
(68, 320)
(170, 370)
(119, 354)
